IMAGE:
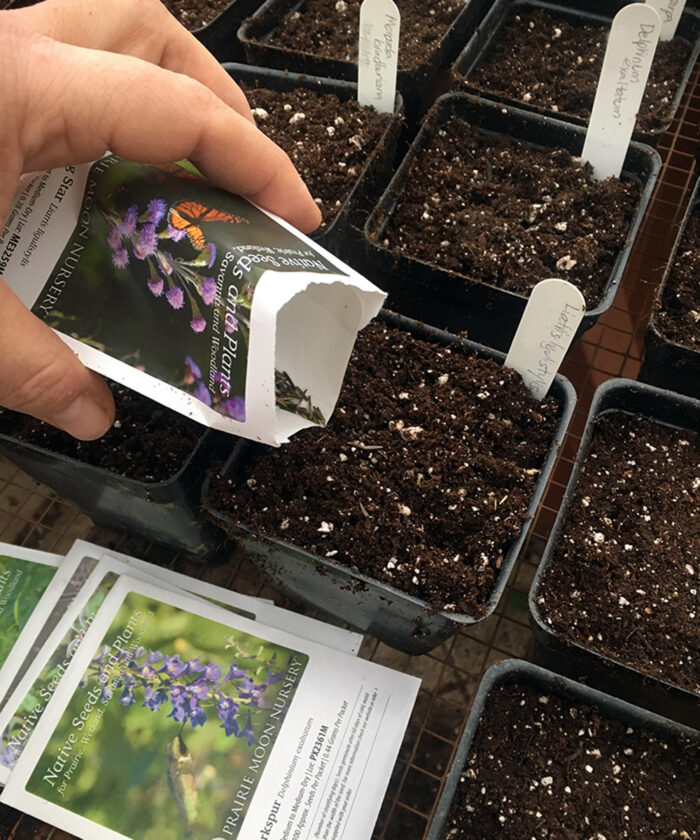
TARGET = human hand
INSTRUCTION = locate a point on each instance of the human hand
(78, 78)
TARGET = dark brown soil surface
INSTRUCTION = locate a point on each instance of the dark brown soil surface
(330, 28)
(542, 767)
(147, 442)
(679, 316)
(495, 210)
(552, 64)
(194, 14)
(623, 580)
(329, 141)
(420, 480)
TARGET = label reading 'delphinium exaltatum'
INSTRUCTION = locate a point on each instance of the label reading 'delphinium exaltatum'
(631, 45)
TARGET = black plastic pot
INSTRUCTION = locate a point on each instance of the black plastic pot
(398, 619)
(554, 650)
(419, 85)
(166, 512)
(220, 35)
(592, 12)
(453, 301)
(666, 363)
(515, 671)
(344, 234)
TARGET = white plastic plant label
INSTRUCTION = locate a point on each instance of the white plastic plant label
(552, 315)
(187, 294)
(623, 77)
(380, 23)
(669, 12)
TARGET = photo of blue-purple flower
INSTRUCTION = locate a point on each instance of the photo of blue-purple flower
(192, 691)
(175, 722)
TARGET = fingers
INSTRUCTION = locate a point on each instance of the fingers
(41, 376)
(141, 28)
(142, 112)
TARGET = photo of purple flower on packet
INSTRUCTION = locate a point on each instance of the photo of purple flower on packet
(188, 294)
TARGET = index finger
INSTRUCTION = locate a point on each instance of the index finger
(140, 28)
(144, 113)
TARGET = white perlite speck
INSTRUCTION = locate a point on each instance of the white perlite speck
(566, 263)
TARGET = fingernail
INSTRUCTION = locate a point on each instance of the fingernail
(85, 419)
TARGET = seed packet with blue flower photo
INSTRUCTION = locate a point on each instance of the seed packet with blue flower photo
(40, 675)
(182, 721)
(188, 294)
(35, 589)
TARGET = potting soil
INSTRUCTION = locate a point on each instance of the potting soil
(328, 140)
(542, 767)
(147, 442)
(679, 316)
(330, 28)
(623, 579)
(549, 62)
(496, 210)
(193, 14)
(420, 480)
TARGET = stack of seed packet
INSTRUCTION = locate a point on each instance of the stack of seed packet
(136, 702)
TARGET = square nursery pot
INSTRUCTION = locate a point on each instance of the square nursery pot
(419, 84)
(613, 664)
(453, 300)
(667, 362)
(629, 762)
(343, 233)
(597, 13)
(219, 35)
(399, 619)
(166, 511)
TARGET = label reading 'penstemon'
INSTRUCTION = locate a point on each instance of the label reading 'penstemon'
(380, 24)
(151, 274)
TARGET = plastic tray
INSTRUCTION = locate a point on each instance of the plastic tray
(419, 86)
(519, 672)
(553, 649)
(398, 619)
(595, 12)
(166, 512)
(438, 296)
(342, 236)
(667, 364)
(220, 35)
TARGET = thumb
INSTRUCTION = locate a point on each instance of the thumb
(40, 375)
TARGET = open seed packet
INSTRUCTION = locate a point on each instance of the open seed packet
(189, 295)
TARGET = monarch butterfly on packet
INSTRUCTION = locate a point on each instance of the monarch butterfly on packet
(189, 216)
